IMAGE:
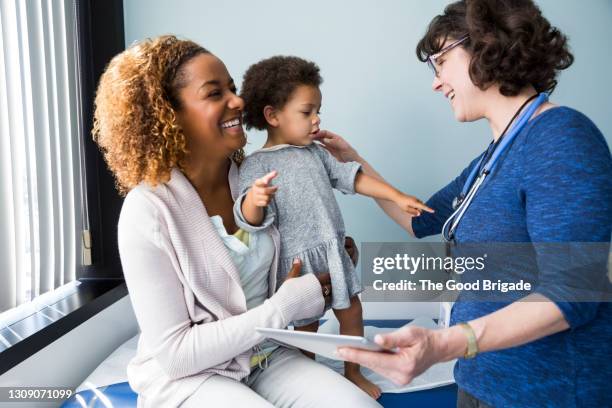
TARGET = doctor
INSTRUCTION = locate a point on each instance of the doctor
(545, 177)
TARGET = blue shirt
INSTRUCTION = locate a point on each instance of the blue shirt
(553, 184)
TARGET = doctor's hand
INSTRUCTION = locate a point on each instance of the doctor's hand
(337, 146)
(417, 350)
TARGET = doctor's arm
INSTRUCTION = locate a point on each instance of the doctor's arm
(418, 348)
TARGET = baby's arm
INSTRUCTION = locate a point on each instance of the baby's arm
(372, 187)
(257, 198)
(347, 178)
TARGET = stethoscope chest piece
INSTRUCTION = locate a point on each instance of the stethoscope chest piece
(457, 201)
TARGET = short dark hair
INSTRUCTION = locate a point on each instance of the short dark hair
(271, 82)
(510, 41)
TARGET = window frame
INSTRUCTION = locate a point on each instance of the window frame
(100, 35)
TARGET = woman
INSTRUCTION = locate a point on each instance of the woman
(168, 121)
(491, 60)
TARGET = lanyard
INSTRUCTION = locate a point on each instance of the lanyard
(485, 166)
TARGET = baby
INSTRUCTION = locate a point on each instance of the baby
(282, 96)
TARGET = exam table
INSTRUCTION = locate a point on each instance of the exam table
(120, 395)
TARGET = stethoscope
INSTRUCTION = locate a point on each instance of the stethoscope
(479, 173)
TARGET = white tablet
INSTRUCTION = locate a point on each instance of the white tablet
(319, 343)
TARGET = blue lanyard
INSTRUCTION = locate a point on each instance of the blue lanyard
(482, 171)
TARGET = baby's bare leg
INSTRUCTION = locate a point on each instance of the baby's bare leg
(351, 323)
(312, 327)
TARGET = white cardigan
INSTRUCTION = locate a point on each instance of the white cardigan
(187, 295)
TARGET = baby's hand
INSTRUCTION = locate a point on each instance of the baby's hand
(261, 192)
(411, 205)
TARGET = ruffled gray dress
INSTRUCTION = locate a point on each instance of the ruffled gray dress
(306, 213)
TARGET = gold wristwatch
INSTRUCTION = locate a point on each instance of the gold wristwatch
(472, 345)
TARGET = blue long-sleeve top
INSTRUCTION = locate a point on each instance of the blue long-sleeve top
(553, 184)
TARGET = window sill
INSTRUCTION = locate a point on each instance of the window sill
(38, 331)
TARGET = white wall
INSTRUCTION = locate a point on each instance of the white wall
(375, 92)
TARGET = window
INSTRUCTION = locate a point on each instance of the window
(59, 260)
(42, 211)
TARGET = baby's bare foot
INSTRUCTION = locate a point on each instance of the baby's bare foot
(359, 380)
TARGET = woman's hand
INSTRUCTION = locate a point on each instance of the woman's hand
(351, 248)
(324, 280)
(337, 146)
(417, 350)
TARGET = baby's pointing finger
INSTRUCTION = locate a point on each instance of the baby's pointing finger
(268, 190)
(268, 177)
(265, 191)
(265, 180)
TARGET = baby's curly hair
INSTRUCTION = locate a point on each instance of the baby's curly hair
(511, 43)
(271, 82)
(135, 122)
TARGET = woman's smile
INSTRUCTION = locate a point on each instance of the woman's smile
(233, 126)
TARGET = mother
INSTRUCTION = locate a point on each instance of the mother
(168, 121)
(552, 184)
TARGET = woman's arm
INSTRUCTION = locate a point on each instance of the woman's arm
(518, 323)
(157, 291)
(344, 152)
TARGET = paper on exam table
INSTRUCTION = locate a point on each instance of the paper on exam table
(436, 376)
(113, 369)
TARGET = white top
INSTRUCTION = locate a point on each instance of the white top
(187, 295)
(252, 254)
(253, 260)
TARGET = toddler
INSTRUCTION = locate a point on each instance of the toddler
(282, 96)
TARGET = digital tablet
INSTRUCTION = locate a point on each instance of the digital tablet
(319, 343)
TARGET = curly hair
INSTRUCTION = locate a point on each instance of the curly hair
(271, 82)
(135, 123)
(510, 42)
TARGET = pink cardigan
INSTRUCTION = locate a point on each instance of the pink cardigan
(187, 295)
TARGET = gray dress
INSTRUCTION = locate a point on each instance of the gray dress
(306, 213)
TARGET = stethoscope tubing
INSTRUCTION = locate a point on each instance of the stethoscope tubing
(471, 187)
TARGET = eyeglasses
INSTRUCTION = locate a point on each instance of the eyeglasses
(431, 60)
